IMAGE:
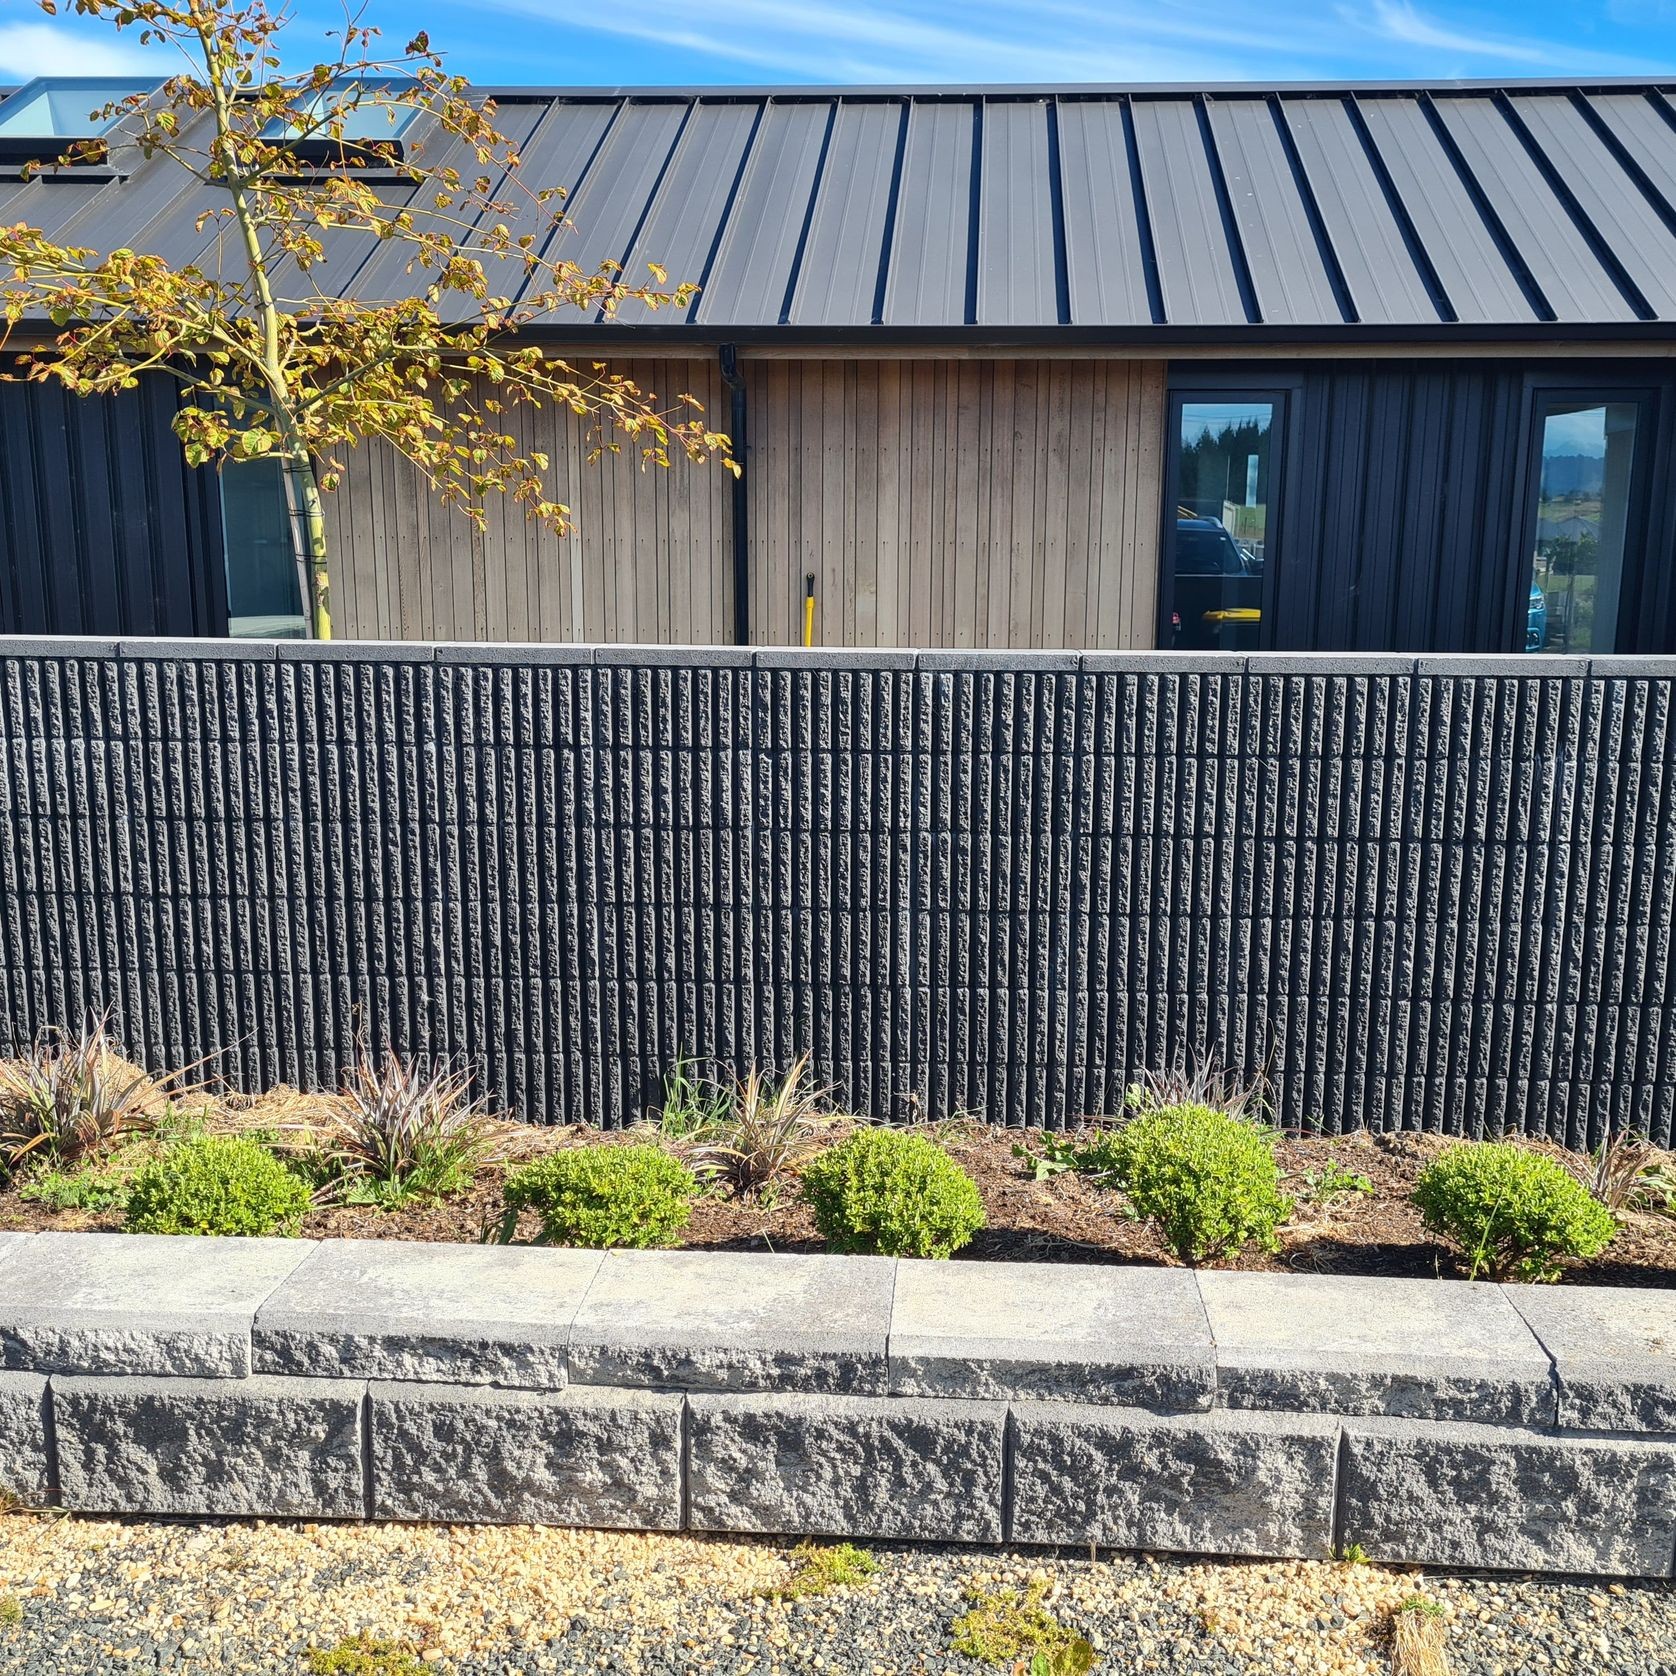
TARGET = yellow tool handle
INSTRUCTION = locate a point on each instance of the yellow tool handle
(809, 609)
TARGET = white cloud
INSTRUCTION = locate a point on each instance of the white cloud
(1401, 21)
(50, 49)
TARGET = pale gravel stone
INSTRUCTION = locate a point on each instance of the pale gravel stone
(25, 1448)
(1218, 1483)
(1345, 1344)
(261, 1445)
(405, 1310)
(1098, 1333)
(1614, 1351)
(138, 1303)
(583, 1456)
(846, 1466)
(1439, 1493)
(735, 1321)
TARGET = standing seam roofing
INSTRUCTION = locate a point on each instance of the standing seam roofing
(1312, 208)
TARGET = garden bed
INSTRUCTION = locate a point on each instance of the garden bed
(1064, 1218)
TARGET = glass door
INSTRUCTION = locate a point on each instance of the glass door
(1219, 545)
(1587, 521)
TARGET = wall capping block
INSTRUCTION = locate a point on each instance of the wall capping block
(359, 651)
(198, 651)
(835, 659)
(498, 653)
(1270, 1415)
(673, 657)
(56, 646)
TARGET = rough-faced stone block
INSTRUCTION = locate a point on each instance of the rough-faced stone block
(1343, 1344)
(1614, 1351)
(210, 1446)
(846, 1466)
(583, 1456)
(25, 1453)
(1219, 1483)
(138, 1303)
(1088, 1333)
(392, 1309)
(710, 1321)
(1440, 1493)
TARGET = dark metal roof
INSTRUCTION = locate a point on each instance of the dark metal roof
(1307, 211)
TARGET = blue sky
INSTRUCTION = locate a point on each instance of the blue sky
(768, 41)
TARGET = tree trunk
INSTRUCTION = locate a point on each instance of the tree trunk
(308, 533)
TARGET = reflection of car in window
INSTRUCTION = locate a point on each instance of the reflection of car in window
(1536, 621)
(1218, 589)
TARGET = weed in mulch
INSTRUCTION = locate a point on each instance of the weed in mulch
(1418, 1631)
(1016, 1632)
(817, 1570)
(364, 1655)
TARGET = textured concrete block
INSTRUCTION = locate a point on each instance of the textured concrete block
(1221, 1483)
(712, 1320)
(1437, 1493)
(1353, 1345)
(1614, 1351)
(25, 1447)
(585, 1456)
(1089, 1333)
(390, 1309)
(210, 1446)
(138, 1303)
(846, 1466)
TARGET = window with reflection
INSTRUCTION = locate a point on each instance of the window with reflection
(1220, 543)
(263, 593)
(1583, 496)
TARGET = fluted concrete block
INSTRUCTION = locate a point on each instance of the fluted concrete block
(401, 1310)
(716, 1320)
(261, 1445)
(583, 1456)
(846, 1466)
(1614, 1351)
(1440, 1493)
(1081, 1332)
(1219, 1483)
(138, 1303)
(1342, 1344)
(25, 1446)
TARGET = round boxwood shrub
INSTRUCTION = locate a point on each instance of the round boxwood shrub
(1209, 1180)
(215, 1184)
(1515, 1214)
(605, 1196)
(891, 1192)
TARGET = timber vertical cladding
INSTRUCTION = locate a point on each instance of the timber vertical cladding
(1436, 894)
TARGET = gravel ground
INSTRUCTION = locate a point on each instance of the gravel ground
(91, 1596)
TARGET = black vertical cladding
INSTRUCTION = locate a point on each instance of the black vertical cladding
(104, 528)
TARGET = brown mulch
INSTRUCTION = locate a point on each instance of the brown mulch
(1065, 1218)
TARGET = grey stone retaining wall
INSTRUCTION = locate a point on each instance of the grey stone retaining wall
(1434, 1422)
(1426, 893)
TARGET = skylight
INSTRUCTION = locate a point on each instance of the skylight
(368, 126)
(61, 107)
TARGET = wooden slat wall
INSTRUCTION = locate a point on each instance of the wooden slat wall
(651, 559)
(956, 503)
(939, 503)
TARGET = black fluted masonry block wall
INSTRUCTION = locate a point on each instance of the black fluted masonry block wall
(1430, 893)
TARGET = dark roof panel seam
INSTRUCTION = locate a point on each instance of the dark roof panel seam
(887, 239)
(1143, 219)
(974, 217)
(557, 232)
(1241, 263)
(1056, 209)
(725, 219)
(652, 197)
(1626, 160)
(1497, 229)
(1312, 214)
(1599, 245)
(808, 216)
(1415, 245)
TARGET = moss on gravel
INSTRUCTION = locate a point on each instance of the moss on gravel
(364, 1655)
(816, 1570)
(1013, 1630)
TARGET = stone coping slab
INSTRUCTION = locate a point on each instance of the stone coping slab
(1614, 1352)
(405, 1310)
(1100, 1333)
(1341, 1344)
(138, 1303)
(723, 1320)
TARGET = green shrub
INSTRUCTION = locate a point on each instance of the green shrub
(1209, 1180)
(605, 1196)
(888, 1191)
(216, 1184)
(1515, 1214)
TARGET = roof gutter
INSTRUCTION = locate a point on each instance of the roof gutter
(728, 356)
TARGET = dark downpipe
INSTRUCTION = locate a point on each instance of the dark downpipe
(741, 514)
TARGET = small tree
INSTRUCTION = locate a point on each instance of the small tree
(273, 362)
